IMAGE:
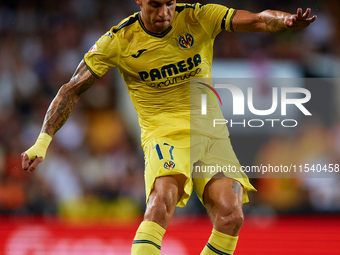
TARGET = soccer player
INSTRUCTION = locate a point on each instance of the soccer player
(157, 51)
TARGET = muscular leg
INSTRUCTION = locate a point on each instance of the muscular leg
(223, 198)
(164, 196)
(160, 208)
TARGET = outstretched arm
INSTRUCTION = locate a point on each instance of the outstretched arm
(270, 21)
(66, 99)
(57, 114)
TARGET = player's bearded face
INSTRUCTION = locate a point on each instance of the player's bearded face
(157, 15)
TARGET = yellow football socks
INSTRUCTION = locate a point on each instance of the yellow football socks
(220, 243)
(148, 239)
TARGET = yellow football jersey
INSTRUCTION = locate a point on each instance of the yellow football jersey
(157, 68)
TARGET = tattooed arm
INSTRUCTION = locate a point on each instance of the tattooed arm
(270, 21)
(67, 97)
(57, 114)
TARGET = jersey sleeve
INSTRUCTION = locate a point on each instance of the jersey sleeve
(214, 18)
(103, 55)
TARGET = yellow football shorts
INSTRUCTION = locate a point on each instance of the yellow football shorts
(199, 163)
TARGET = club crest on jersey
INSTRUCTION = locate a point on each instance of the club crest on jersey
(169, 165)
(186, 41)
(93, 48)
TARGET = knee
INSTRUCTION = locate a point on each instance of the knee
(163, 199)
(228, 220)
(160, 208)
(160, 204)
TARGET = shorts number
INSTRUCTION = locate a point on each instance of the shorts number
(159, 152)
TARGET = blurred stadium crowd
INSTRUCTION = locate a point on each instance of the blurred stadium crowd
(94, 167)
